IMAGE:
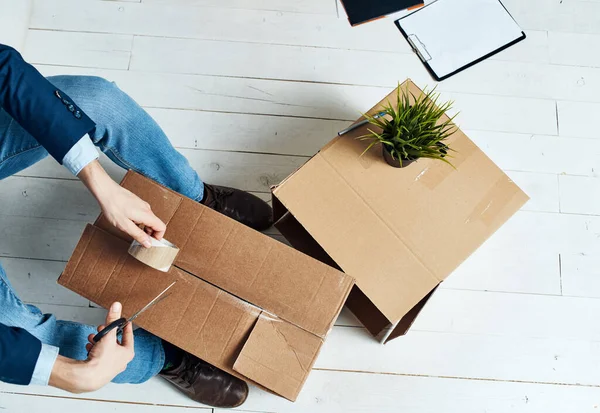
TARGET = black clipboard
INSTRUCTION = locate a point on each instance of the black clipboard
(421, 48)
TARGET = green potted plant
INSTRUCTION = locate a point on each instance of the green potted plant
(412, 130)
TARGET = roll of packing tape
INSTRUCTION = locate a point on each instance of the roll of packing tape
(160, 255)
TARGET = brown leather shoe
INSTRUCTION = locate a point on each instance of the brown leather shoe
(207, 384)
(239, 205)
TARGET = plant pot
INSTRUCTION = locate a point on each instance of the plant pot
(394, 162)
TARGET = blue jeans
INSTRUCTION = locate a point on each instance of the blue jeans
(131, 139)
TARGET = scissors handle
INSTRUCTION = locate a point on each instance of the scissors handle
(118, 324)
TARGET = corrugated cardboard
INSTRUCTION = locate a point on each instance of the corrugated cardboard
(243, 302)
(398, 232)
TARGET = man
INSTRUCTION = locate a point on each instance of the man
(68, 117)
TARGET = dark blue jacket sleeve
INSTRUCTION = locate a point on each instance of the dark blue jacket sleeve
(19, 352)
(44, 111)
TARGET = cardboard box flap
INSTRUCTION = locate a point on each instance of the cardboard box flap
(278, 355)
(195, 315)
(399, 232)
(244, 262)
(265, 272)
(385, 269)
(402, 326)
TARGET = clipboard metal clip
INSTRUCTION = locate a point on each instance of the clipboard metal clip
(418, 47)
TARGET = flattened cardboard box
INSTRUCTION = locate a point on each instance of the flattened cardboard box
(243, 302)
(398, 232)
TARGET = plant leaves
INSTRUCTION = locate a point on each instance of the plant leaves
(413, 130)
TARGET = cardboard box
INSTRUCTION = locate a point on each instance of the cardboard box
(398, 232)
(243, 302)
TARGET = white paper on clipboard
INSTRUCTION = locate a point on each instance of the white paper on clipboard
(449, 35)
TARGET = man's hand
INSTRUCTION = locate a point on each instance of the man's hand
(123, 209)
(106, 359)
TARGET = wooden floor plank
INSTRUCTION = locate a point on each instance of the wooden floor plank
(35, 282)
(579, 195)
(322, 101)
(580, 274)
(542, 190)
(558, 361)
(238, 95)
(263, 26)
(510, 315)
(576, 119)
(537, 153)
(79, 49)
(559, 233)
(573, 49)
(17, 403)
(340, 392)
(39, 238)
(47, 198)
(493, 269)
(260, 26)
(556, 15)
(531, 80)
(332, 392)
(156, 392)
(534, 50)
(255, 60)
(192, 56)
(246, 171)
(302, 6)
(84, 315)
(247, 133)
(14, 24)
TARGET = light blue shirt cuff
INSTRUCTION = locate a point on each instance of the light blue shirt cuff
(80, 155)
(45, 364)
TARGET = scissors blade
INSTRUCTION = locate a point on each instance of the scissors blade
(151, 303)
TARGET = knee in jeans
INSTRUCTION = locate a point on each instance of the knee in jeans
(110, 108)
(101, 90)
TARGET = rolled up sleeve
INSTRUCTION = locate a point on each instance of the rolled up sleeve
(45, 364)
(80, 155)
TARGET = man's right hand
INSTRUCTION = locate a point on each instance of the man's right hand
(123, 209)
(106, 359)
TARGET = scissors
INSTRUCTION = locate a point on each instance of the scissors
(122, 322)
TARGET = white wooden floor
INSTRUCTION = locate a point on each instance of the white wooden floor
(248, 89)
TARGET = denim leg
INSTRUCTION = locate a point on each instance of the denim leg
(18, 149)
(129, 136)
(71, 337)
